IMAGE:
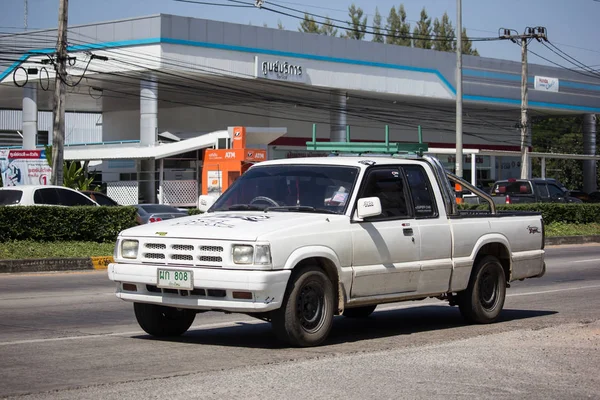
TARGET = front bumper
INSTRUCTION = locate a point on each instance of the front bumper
(267, 287)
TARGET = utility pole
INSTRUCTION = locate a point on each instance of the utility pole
(26, 14)
(538, 33)
(524, 119)
(459, 96)
(58, 134)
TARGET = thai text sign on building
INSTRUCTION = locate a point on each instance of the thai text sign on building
(279, 70)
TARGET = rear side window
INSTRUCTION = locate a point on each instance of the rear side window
(70, 198)
(48, 196)
(542, 190)
(8, 197)
(420, 191)
(103, 200)
(518, 187)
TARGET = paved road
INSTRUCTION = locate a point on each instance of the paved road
(66, 336)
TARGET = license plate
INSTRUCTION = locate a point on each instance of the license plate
(175, 279)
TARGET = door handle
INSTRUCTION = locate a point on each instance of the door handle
(407, 231)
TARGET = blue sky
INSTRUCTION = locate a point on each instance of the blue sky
(573, 25)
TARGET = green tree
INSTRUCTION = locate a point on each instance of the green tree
(467, 45)
(404, 38)
(422, 32)
(559, 135)
(280, 25)
(444, 34)
(357, 24)
(377, 36)
(392, 27)
(309, 25)
(328, 29)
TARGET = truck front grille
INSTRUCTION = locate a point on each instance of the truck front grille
(178, 252)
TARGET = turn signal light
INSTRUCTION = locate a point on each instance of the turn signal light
(242, 295)
(130, 287)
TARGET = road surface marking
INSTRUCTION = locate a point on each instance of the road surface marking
(237, 323)
(590, 260)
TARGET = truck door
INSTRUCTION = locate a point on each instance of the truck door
(386, 247)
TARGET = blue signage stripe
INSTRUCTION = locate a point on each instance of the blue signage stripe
(476, 73)
(468, 72)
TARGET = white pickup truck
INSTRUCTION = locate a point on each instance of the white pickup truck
(297, 241)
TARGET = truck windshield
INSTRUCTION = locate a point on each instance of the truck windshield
(301, 188)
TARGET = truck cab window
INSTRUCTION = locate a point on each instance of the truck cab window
(421, 192)
(388, 185)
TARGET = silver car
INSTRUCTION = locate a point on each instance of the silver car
(148, 213)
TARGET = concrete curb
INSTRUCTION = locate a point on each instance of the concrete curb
(562, 240)
(54, 264)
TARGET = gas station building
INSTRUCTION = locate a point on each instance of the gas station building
(162, 89)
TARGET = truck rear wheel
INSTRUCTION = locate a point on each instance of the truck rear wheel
(162, 321)
(484, 298)
(359, 312)
(306, 314)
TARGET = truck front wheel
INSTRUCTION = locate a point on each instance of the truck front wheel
(483, 299)
(306, 314)
(162, 321)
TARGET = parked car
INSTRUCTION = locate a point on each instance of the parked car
(518, 191)
(43, 195)
(581, 195)
(157, 212)
(100, 198)
(595, 197)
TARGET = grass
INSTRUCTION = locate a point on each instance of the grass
(562, 229)
(29, 249)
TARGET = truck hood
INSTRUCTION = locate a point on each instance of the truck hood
(246, 226)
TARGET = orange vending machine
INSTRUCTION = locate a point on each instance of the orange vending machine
(222, 167)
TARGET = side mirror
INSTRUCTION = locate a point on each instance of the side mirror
(205, 202)
(369, 207)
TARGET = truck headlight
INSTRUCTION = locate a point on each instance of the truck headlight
(262, 254)
(129, 249)
(243, 254)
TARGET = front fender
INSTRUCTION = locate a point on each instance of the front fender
(303, 253)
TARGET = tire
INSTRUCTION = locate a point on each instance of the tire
(359, 312)
(306, 314)
(162, 321)
(484, 298)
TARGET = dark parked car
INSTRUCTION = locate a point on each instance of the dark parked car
(100, 198)
(157, 212)
(517, 191)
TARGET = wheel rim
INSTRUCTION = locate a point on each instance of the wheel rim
(310, 306)
(489, 289)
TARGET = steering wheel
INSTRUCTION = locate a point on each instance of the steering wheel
(266, 199)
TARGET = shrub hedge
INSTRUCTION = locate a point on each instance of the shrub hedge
(571, 213)
(49, 224)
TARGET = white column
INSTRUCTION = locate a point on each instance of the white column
(161, 192)
(30, 116)
(473, 170)
(493, 167)
(148, 113)
(543, 167)
(148, 137)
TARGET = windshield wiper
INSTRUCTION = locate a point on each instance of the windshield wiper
(245, 207)
(300, 209)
